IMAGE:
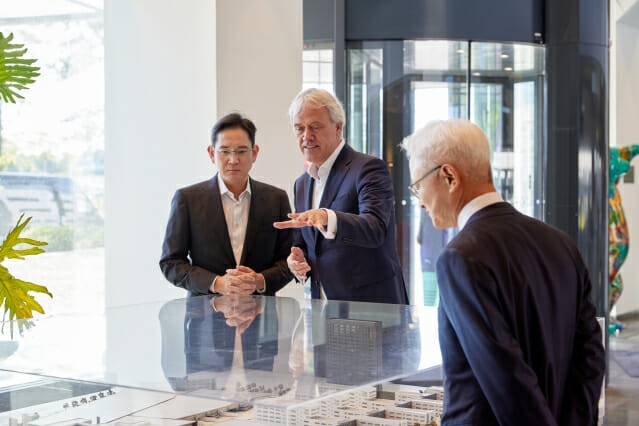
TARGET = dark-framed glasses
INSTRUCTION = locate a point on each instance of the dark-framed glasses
(413, 186)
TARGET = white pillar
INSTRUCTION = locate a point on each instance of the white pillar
(259, 56)
(159, 103)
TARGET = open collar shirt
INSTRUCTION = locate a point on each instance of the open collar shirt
(236, 214)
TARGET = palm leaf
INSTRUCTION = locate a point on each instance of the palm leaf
(15, 72)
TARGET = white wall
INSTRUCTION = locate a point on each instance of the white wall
(259, 52)
(159, 104)
(171, 69)
(624, 130)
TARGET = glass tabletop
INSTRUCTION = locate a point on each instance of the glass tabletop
(235, 348)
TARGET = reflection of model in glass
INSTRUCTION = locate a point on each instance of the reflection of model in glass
(618, 240)
(432, 241)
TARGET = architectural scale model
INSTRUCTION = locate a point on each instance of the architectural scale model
(340, 407)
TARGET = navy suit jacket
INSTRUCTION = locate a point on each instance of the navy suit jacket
(361, 263)
(518, 333)
(197, 247)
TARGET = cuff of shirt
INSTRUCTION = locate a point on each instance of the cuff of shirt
(212, 287)
(331, 228)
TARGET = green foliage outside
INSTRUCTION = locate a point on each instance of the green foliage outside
(68, 237)
(12, 161)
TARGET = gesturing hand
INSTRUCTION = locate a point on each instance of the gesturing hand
(297, 263)
(315, 217)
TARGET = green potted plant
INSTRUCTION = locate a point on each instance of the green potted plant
(16, 73)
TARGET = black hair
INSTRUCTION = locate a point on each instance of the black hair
(231, 121)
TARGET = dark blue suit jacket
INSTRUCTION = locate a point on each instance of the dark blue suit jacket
(361, 263)
(519, 338)
(197, 246)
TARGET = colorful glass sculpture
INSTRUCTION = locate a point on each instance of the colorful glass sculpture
(618, 241)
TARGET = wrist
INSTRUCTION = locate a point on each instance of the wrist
(261, 284)
(212, 288)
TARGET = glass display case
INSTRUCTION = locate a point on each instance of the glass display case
(266, 360)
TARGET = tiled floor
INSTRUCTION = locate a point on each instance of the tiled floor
(622, 391)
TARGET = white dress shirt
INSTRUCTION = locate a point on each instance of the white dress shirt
(236, 214)
(475, 205)
(320, 175)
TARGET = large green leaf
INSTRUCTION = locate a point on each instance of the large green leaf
(14, 292)
(15, 72)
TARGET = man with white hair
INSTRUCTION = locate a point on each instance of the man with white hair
(344, 211)
(518, 331)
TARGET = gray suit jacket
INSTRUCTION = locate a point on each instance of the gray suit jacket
(197, 247)
(361, 263)
(517, 328)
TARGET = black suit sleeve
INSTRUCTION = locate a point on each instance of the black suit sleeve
(174, 263)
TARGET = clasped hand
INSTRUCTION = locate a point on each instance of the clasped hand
(240, 280)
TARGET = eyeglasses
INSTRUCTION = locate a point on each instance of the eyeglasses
(242, 152)
(413, 186)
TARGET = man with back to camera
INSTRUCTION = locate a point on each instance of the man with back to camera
(219, 237)
(518, 332)
(345, 211)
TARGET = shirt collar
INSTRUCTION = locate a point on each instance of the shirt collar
(322, 172)
(224, 189)
(476, 204)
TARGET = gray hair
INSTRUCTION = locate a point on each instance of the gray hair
(318, 98)
(455, 141)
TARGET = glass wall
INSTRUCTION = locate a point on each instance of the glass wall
(395, 87)
(317, 63)
(52, 151)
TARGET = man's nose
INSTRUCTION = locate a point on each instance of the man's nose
(308, 134)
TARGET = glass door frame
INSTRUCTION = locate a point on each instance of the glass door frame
(396, 95)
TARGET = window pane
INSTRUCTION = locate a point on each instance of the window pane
(52, 151)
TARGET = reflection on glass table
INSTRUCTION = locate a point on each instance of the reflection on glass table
(234, 348)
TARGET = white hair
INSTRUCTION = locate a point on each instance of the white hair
(455, 141)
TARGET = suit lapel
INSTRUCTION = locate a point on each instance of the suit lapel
(218, 221)
(336, 176)
(257, 200)
(308, 192)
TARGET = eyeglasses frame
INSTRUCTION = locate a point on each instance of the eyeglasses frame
(413, 186)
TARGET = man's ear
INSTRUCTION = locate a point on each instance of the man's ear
(451, 176)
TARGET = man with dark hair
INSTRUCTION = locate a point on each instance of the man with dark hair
(219, 237)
